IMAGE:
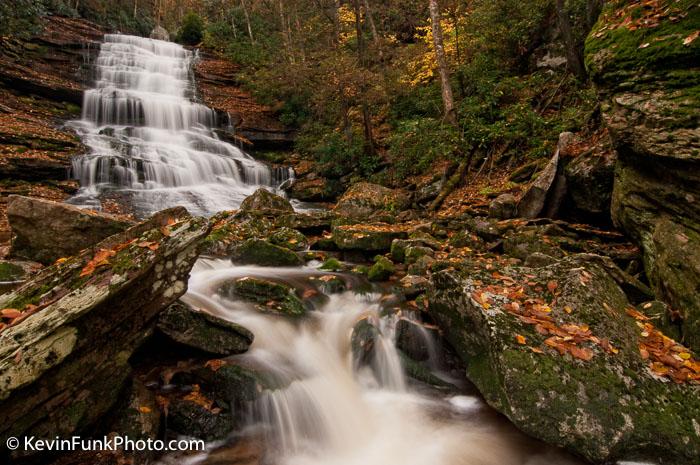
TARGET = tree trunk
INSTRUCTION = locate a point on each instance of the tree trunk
(370, 20)
(336, 21)
(367, 121)
(247, 22)
(574, 53)
(447, 97)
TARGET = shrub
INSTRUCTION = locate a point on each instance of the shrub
(192, 29)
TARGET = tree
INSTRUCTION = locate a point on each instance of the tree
(447, 96)
(192, 29)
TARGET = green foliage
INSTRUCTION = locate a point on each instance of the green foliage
(417, 143)
(21, 17)
(191, 31)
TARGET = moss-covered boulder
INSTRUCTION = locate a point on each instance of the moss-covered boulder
(269, 296)
(373, 237)
(364, 200)
(203, 331)
(289, 238)
(263, 253)
(331, 264)
(561, 353)
(381, 270)
(644, 61)
(262, 200)
(81, 319)
(45, 231)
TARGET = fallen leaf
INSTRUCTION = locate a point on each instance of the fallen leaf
(521, 339)
(691, 38)
(144, 409)
(10, 313)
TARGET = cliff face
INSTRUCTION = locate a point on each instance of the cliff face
(644, 58)
(41, 85)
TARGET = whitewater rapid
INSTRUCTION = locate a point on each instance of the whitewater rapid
(150, 143)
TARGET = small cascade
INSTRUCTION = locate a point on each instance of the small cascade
(151, 142)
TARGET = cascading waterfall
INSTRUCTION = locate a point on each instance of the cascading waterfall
(328, 410)
(149, 140)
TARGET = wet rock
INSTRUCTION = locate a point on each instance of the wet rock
(195, 420)
(602, 400)
(263, 200)
(290, 239)
(202, 331)
(414, 339)
(270, 296)
(81, 321)
(331, 264)
(139, 417)
(382, 269)
(503, 207)
(375, 237)
(263, 253)
(364, 200)
(45, 231)
(363, 342)
(231, 385)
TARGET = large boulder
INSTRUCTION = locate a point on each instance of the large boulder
(589, 181)
(64, 350)
(644, 65)
(45, 231)
(374, 237)
(364, 200)
(561, 353)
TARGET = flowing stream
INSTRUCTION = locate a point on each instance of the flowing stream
(332, 410)
(151, 142)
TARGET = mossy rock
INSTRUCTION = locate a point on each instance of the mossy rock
(413, 254)
(192, 419)
(202, 331)
(10, 272)
(263, 200)
(382, 269)
(369, 238)
(289, 238)
(364, 200)
(400, 246)
(603, 405)
(332, 264)
(270, 296)
(263, 253)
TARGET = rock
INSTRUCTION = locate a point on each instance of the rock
(270, 296)
(589, 181)
(319, 189)
(159, 33)
(262, 253)
(195, 420)
(595, 395)
(263, 200)
(375, 237)
(485, 229)
(650, 103)
(289, 238)
(421, 266)
(311, 222)
(332, 264)
(412, 285)
(203, 331)
(46, 231)
(400, 246)
(139, 417)
(428, 192)
(413, 254)
(415, 340)
(230, 385)
(11, 272)
(364, 200)
(503, 207)
(524, 242)
(545, 194)
(363, 342)
(82, 319)
(538, 259)
(382, 269)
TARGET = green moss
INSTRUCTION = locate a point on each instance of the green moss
(332, 264)
(382, 269)
(10, 272)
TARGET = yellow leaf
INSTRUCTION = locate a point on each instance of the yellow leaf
(144, 409)
(521, 339)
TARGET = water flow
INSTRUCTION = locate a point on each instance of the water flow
(151, 142)
(328, 410)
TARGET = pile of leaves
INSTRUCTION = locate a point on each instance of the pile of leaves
(666, 357)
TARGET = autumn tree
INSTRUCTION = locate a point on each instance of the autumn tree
(447, 96)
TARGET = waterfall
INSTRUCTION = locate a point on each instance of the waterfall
(151, 142)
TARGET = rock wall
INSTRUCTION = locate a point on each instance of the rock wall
(644, 58)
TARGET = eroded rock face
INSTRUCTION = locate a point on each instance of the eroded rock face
(364, 200)
(561, 359)
(64, 360)
(647, 77)
(45, 231)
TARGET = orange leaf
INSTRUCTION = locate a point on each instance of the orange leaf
(521, 339)
(10, 313)
(552, 286)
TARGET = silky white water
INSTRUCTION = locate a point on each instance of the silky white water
(151, 142)
(329, 410)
